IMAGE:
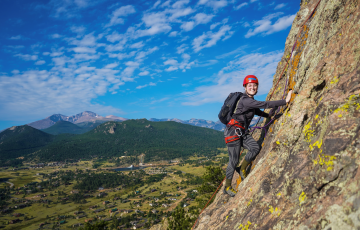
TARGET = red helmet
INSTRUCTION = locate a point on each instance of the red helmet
(250, 79)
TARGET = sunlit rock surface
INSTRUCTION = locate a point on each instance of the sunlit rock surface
(306, 175)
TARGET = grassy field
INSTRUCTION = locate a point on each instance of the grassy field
(38, 213)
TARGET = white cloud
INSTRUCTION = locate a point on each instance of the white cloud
(54, 53)
(78, 29)
(187, 26)
(27, 57)
(137, 45)
(253, 1)
(173, 34)
(206, 63)
(84, 50)
(241, 5)
(67, 9)
(39, 92)
(213, 26)
(18, 37)
(235, 51)
(175, 65)
(40, 62)
(144, 73)
(55, 36)
(87, 40)
(181, 49)
(229, 79)
(141, 86)
(156, 4)
(209, 38)
(199, 18)
(111, 66)
(122, 56)
(180, 3)
(213, 4)
(142, 54)
(202, 18)
(146, 85)
(116, 17)
(114, 37)
(280, 6)
(265, 26)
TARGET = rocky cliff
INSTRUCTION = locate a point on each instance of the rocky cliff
(306, 175)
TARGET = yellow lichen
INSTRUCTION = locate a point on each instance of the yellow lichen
(277, 142)
(271, 209)
(316, 117)
(248, 204)
(279, 194)
(326, 160)
(351, 102)
(275, 212)
(335, 80)
(302, 198)
(246, 227)
(308, 133)
(318, 144)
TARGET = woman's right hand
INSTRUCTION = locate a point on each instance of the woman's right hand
(288, 97)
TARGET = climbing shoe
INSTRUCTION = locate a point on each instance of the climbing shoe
(230, 191)
(243, 174)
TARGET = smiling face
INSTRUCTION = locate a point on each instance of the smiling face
(251, 89)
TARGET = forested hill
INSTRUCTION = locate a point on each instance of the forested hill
(19, 141)
(158, 140)
(64, 127)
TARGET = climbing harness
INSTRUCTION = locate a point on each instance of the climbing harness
(265, 126)
(239, 131)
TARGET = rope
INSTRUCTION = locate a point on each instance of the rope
(211, 197)
(264, 127)
(286, 84)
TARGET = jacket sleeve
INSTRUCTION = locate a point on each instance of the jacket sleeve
(250, 103)
(261, 113)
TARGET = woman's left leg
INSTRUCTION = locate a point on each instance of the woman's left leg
(253, 150)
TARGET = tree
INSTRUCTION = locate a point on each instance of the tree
(95, 226)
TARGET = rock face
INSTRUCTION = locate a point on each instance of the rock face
(306, 175)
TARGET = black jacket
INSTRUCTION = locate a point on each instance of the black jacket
(249, 107)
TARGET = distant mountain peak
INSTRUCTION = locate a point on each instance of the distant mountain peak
(86, 116)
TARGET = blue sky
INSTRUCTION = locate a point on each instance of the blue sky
(135, 59)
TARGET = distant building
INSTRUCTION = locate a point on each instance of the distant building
(80, 216)
(14, 221)
(154, 211)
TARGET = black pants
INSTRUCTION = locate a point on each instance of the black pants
(234, 149)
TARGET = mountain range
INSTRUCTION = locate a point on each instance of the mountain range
(86, 116)
(157, 140)
(88, 120)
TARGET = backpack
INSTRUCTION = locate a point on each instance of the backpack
(227, 110)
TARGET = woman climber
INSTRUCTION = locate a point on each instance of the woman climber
(236, 135)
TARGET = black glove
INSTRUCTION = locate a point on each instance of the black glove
(272, 111)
